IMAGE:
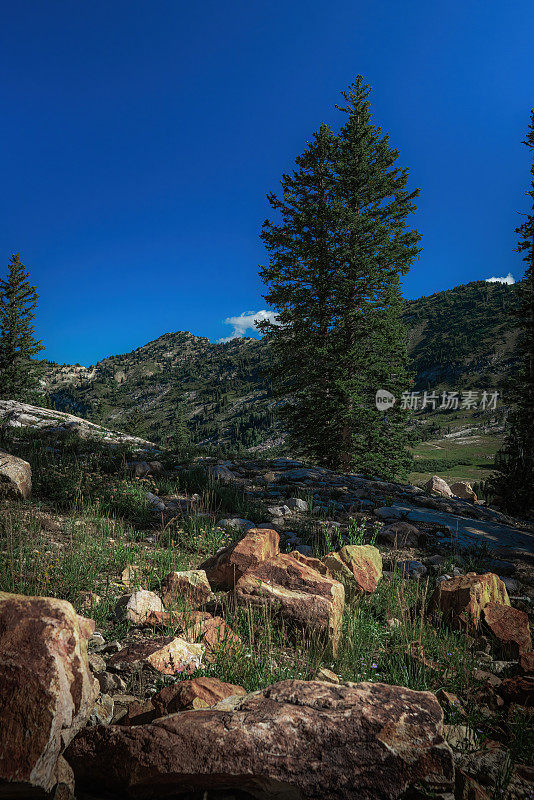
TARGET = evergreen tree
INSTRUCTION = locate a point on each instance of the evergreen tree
(514, 479)
(19, 373)
(178, 440)
(335, 264)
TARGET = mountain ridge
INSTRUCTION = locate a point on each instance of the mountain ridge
(458, 338)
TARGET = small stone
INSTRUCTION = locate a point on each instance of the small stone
(136, 607)
(327, 675)
(110, 682)
(278, 511)
(96, 662)
(190, 587)
(102, 713)
(296, 504)
(460, 737)
(411, 569)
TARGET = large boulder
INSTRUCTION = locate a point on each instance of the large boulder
(227, 566)
(296, 739)
(463, 490)
(189, 588)
(437, 485)
(461, 600)
(15, 477)
(510, 627)
(296, 594)
(47, 691)
(360, 566)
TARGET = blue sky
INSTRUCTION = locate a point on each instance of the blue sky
(139, 139)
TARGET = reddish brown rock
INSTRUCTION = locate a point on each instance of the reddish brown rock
(510, 627)
(314, 563)
(467, 788)
(227, 566)
(47, 691)
(168, 655)
(526, 663)
(359, 566)
(195, 693)
(297, 594)
(519, 689)
(296, 739)
(15, 477)
(178, 620)
(189, 588)
(181, 696)
(461, 600)
(215, 636)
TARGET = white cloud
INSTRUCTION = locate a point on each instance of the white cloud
(509, 279)
(246, 322)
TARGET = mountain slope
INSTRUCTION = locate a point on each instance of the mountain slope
(462, 338)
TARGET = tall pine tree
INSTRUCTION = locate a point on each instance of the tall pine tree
(335, 264)
(514, 478)
(19, 373)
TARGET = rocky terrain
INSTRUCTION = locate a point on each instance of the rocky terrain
(458, 339)
(253, 628)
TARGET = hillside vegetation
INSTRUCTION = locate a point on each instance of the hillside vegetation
(458, 339)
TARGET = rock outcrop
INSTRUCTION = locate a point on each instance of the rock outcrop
(47, 691)
(295, 739)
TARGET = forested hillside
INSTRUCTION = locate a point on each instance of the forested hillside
(458, 339)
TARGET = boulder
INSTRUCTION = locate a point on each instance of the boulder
(138, 606)
(166, 654)
(359, 565)
(47, 691)
(227, 566)
(510, 627)
(296, 739)
(461, 600)
(399, 534)
(296, 594)
(15, 477)
(190, 588)
(437, 485)
(463, 490)
(221, 473)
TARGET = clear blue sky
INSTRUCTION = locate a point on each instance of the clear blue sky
(139, 139)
